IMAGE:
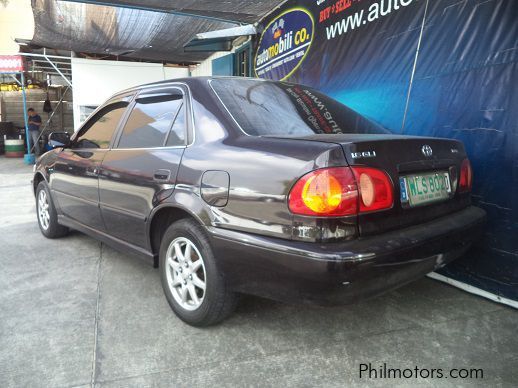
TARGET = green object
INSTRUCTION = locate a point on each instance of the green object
(14, 146)
(426, 188)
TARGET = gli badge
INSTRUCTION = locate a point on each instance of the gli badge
(427, 150)
(364, 154)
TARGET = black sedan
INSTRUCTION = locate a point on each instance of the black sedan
(235, 185)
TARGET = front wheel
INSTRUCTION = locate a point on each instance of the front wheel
(193, 286)
(47, 215)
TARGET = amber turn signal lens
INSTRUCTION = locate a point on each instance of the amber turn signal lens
(322, 193)
(325, 192)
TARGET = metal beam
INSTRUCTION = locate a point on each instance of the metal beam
(52, 72)
(55, 68)
(47, 65)
(44, 56)
(56, 62)
(51, 69)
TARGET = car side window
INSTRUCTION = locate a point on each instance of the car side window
(151, 119)
(98, 130)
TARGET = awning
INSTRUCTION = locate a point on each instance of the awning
(237, 11)
(150, 30)
(219, 40)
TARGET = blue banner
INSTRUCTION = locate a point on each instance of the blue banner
(284, 44)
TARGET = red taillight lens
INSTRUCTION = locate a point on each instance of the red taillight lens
(466, 176)
(325, 192)
(341, 191)
(376, 190)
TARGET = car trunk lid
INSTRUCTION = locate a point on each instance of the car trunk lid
(410, 158)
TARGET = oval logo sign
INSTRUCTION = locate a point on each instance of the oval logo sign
(284, 44)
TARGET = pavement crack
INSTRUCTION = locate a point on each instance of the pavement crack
(96, 320)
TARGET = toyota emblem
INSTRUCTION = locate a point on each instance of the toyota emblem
(427, 150)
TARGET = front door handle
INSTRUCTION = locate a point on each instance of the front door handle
(162, 175)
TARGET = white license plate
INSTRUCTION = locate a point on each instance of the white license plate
(425, 188)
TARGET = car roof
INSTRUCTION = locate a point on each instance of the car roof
(188, 81)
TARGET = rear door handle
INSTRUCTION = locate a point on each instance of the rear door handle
(162, 175)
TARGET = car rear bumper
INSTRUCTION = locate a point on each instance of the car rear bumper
(339, 273)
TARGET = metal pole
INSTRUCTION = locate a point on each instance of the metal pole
(26, 119)
(13, 77)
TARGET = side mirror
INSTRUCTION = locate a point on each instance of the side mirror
(59, 139)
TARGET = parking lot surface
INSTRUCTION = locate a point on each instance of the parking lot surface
(74, 312)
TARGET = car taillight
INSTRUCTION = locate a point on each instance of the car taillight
(376, 190)
(325, 192)
(341, 191)
(466, 176)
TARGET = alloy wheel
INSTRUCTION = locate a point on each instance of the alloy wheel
(43, 209)
(185, 273)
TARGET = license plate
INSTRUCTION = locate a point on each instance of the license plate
(425, 188)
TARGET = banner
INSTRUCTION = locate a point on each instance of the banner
(11, 63)
(284, 44)
(441, 68)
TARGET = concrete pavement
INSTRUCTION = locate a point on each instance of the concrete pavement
(74, 312)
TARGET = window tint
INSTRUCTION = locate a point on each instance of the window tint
(264, 108)
(98, 131)
(150, 121)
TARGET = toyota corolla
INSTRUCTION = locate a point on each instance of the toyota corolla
(234, 185)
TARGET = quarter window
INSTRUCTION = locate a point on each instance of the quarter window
(151, 120)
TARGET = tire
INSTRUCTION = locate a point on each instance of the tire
(207, 306)
(46, 213)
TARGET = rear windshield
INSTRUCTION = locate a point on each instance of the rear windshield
(266, 108)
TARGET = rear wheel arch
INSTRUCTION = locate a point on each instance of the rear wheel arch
(182, 279)
(159, 223)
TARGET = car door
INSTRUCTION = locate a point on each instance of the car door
(140, 170)
(74, 181)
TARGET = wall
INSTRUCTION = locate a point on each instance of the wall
(205, 67)
(175, 72)
(95, 80)
(16, 21)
